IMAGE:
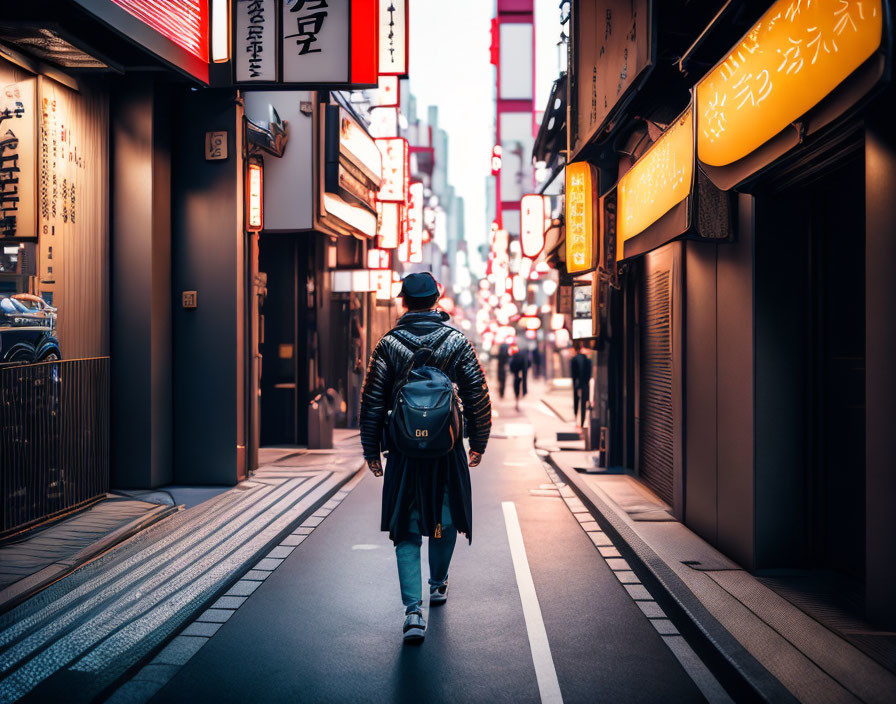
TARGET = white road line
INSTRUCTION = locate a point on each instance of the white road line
(548, 686)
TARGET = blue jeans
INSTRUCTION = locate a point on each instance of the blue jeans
(408, 554)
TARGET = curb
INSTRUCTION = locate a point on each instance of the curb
(736, 668)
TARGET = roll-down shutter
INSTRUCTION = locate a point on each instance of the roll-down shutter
(657, 442)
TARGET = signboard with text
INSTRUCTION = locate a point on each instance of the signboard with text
(393, 37)
(18, 154)
(306, 43)
(612, 50)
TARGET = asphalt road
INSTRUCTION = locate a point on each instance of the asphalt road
(326, 625)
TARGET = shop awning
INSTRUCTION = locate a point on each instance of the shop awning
(551, 138)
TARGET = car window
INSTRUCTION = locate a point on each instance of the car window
(7, 307)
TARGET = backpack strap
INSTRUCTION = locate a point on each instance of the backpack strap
(420, 356)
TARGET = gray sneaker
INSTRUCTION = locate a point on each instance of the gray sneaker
(414, 625)
(438, 594)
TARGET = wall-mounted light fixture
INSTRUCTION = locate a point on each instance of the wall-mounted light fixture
(255, 196)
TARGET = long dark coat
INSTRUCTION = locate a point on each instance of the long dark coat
(408, 481)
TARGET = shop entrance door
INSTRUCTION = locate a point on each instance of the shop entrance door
(283, 343)
(810, 377)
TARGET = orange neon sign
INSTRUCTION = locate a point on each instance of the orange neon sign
(658, 181)
(580, 220)
(797, 53)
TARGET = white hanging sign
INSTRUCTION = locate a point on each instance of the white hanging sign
(255, 41)
(393, 37)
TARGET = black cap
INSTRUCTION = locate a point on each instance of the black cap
(419, 285)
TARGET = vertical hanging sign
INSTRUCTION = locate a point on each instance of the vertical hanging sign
(415, 222)
(532, 224)
(581, 225)
(18, 155)
(255, 38)
(393, 37)
(395, 169)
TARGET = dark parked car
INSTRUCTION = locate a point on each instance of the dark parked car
(26, 334)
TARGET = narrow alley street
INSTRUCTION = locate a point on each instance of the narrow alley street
(328, 619)
(275, 274)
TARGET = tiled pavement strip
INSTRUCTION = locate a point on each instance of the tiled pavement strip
(153, 676)
(92, 627)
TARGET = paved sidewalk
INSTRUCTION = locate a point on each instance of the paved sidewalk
(30, 562)
(75, 640)
(760, 637)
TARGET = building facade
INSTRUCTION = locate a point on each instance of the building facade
(742, 219)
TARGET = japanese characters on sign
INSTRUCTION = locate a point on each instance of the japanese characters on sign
(255, 55)
(315, 41)
(580, 217)
(396, 169)
(613, 49)
(17, 157)
(658, 181)
(796, 54)
(532, 224)
(393, 37)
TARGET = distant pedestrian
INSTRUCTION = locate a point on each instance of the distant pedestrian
(537, 362)
(580, 371)
(423, 496)
(519, 367)
(503, 356)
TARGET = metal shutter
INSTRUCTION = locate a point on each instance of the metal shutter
(657, 437)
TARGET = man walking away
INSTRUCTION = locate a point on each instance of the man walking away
(580, 371)
(519, 366)
(426, 492)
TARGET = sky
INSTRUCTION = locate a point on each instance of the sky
(449, 67)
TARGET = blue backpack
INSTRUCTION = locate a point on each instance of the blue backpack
(425, 420)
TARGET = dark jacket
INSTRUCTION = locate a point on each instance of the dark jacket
(408, 481)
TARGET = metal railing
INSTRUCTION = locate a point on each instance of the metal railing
(54, 439)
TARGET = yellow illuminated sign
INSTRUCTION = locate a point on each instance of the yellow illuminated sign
(579, 217)
(658, 181)
(797, 53)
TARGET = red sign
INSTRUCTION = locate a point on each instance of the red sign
(396, 169)
(185, 22)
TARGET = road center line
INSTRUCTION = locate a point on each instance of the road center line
(545, 673)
